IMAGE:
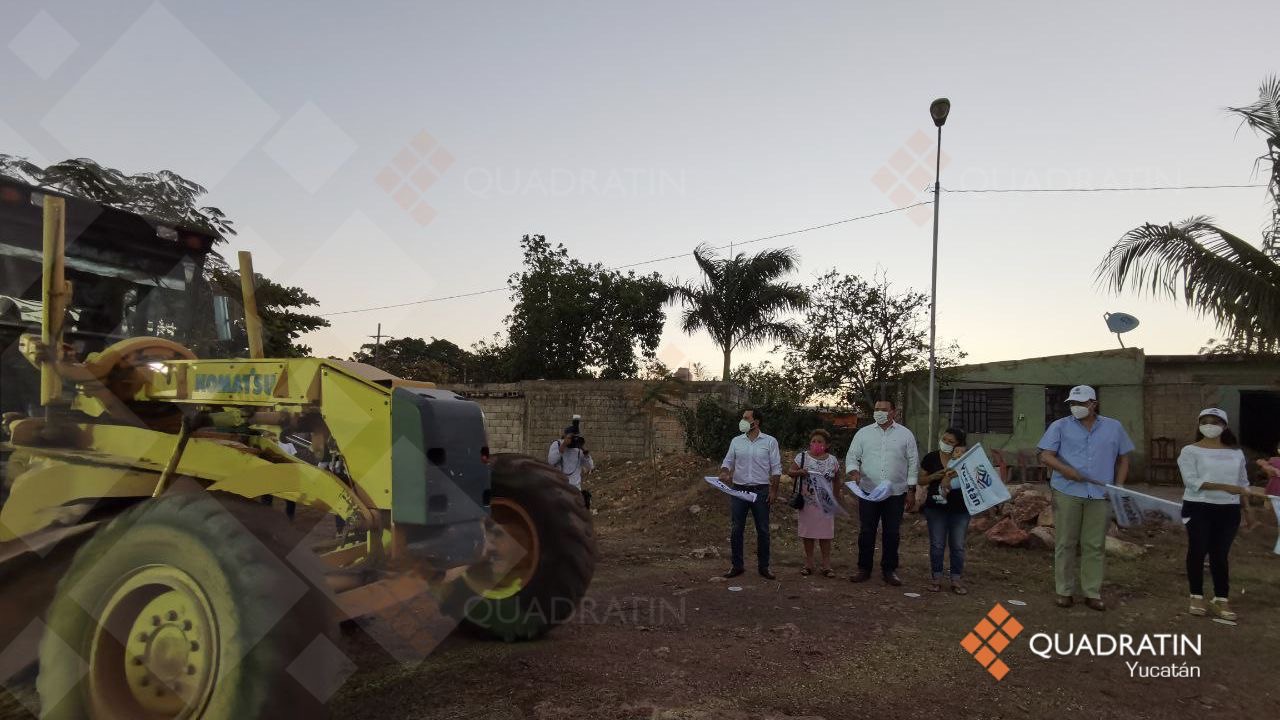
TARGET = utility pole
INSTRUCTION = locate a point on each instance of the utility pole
(938, 110)
(377, 344)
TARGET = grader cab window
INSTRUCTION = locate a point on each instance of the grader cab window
(130, 277)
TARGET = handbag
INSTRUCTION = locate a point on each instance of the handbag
(797, 498)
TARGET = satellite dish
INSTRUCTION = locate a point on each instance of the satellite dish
(1119, 323)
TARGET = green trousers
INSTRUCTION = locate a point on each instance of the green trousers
(1079, 523)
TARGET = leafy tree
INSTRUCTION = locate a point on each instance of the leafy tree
(163, 195)
(1216, 273)
(279, 308)
(573, 319)
(859, 336)
(770, 385)
(740, 301)
(436, 360)
(491, 361)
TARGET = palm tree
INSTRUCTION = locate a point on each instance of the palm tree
(1216, 273)
(739, 301)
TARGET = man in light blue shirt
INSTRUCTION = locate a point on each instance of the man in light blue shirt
(1086, 452)
(753, 464)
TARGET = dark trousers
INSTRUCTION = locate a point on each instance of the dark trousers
(946, 527)
(760, 515)
(1210, 531)
(886, 513)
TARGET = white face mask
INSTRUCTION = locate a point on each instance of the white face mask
(1211, 430)
(881, 416)
(744, 426)
(946, 448)
(1080, 411)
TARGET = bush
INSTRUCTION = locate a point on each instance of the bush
(711, 425)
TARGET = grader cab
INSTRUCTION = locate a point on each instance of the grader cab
(135, 477)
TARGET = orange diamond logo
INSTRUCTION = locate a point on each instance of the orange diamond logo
(990, 637)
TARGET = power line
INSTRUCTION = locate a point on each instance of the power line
(415, 302)
(1148, 188)
(644, 262)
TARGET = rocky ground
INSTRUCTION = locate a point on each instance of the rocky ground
(662, 636)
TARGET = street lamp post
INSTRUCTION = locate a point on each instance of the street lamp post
(938, 110)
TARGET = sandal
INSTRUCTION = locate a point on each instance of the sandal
(828, 572)
(935, 587)
(806, 571)
(959, 589)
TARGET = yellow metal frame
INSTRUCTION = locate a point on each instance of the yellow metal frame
(91, 445)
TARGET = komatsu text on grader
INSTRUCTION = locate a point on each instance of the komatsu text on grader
(137, 557)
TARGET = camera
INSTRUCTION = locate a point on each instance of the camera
(578, 441)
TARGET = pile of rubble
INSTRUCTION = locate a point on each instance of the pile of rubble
(1026, 520)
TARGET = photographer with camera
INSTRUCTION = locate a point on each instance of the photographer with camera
(570, 456)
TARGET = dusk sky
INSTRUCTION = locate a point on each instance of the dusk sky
(633, 131)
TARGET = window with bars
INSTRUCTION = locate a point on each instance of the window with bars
(979, 410)
(1055, 402)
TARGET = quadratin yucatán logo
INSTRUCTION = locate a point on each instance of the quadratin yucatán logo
(990, 637)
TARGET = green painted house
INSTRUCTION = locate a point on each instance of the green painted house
(1007, 405)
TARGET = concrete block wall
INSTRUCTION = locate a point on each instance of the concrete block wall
(527, 416)
(1171, 408)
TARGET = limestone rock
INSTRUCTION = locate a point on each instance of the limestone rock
(1028, 506)
(1046, 517)
(1041, 537)
(1007, 532)
(1124, 549)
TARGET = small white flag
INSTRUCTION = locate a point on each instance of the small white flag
(716, 483)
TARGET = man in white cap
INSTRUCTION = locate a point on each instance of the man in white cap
(1086, 452)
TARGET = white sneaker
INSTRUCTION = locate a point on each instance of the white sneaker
(1198, 607)
(1220, 609)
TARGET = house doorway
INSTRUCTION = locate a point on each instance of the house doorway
(1260, 420)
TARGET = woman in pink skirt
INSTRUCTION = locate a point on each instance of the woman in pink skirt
(817, 473)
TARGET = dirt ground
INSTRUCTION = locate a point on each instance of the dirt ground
(662, 636)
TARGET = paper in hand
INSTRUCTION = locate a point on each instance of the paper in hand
(880, 493)
(718, 484)
(1275, 505)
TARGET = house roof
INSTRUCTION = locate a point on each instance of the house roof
(1098, 354)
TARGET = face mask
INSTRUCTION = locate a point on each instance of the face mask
(817, 448)
(744, 426)
(881, 417)
(1211, 431)
(1080, 411)
(945, 448)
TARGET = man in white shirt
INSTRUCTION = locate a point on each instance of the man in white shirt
(883, 453)
(754, 465)
(574, 462)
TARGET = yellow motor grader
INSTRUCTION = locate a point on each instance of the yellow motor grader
(139, 557)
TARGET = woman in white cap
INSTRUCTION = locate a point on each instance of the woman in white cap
(1216, 475)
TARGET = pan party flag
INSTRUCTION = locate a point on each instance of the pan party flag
(978, 481)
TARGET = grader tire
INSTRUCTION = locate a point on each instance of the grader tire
(532, 498)
(190, 606)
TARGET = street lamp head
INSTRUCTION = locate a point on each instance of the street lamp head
(939, 109)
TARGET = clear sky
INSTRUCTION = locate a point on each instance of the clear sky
(630, 131)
